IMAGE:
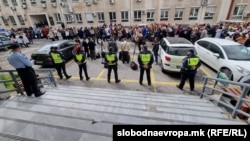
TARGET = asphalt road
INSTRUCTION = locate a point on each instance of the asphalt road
(161, 82)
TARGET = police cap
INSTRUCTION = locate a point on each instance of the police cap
(15, 46)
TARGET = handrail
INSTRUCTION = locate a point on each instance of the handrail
(240, 99)
(49, 76)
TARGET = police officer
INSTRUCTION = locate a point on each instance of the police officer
(111, 59)
(80, 59)
(189, 68)
(145, 60)
(23, 65)
(59, 63)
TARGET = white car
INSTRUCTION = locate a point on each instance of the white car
(225, 56)
(172, 50)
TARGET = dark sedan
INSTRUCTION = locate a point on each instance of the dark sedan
(42, 57)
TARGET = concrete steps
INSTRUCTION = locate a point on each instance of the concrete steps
(72, 113)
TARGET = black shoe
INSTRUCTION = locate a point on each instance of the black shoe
(178, 87)
(61, 77)
(87, 78)
(140, 83)
(117, 81)
(149, 84)
(68, 77)
(108, 81)
(81, 78)
(41, 93)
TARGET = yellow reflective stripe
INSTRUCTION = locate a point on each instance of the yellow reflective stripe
(145, 58)
(57, 58)
(193, 61)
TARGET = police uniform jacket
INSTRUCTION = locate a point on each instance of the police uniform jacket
(60, 57)
(187, 67)
(148, 61)
(113, 60)
(80, 58)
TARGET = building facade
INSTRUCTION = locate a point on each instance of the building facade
(86, 13)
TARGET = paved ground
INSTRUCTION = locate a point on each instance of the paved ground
(161, 82)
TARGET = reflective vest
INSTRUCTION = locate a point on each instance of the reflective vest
(193, 61)
(79, 58)
(145, 58)
(110, 58)
(56, 58)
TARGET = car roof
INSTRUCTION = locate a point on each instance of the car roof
(220, 41)
(57, 43)
(177, 40)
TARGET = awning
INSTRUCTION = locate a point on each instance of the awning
(211, 9)
(89, 17)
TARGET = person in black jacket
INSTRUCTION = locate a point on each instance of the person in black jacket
(111, 59)
(189, 68)
(80, 59)
(156, 49)
(59, 63)
(92, 49)
(145, 60)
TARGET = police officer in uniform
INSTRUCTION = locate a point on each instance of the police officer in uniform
(23, 65)
(80, 59)
(145, 60)
(59, 63)
(111, 59)
(189, 68)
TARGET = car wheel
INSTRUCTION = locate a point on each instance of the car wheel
(228, 73)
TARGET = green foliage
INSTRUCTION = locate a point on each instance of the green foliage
(11, 84)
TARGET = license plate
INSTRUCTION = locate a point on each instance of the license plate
(178, 67)
(39, 62)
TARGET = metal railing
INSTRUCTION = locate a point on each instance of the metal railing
(240, 99)
(10, 81)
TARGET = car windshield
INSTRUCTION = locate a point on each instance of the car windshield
(237, 52)
(45, 49)
(179, 51)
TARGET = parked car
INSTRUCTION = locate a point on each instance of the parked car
(42, 57)
(172, 50)
(4, 42)
(224, 55)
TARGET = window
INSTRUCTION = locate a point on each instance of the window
(164, 14)
(78, 17)
(6, 2)
(43, 1)
(14, 2)
(203, 44)
(124, 15)
(58, 17)
(68, 18)
(33, 1)
(194, 13)
(215, 49)
(5, 20)
(238, 11)
(12, 19)
(21, 20)
(112, 16)
(89, 17)
(53, 1)
(163, 44)
(100, 17)
(137, 15)
(178, 13)
(75, 0)
(150, 15)
(23, 1)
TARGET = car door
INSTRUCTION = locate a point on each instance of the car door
(202, 49)
(214, 60)
(67, 49)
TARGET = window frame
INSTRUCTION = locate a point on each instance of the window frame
(21, 20)
(58, 18)
(13, 20)
(150, 15)
(101, 17)
(112, 16)
(124, 16)
(194, 12)
(137, 15)
(78, 17)
(14, 2)
(179, 13)
(164, 16)
(239, 12)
